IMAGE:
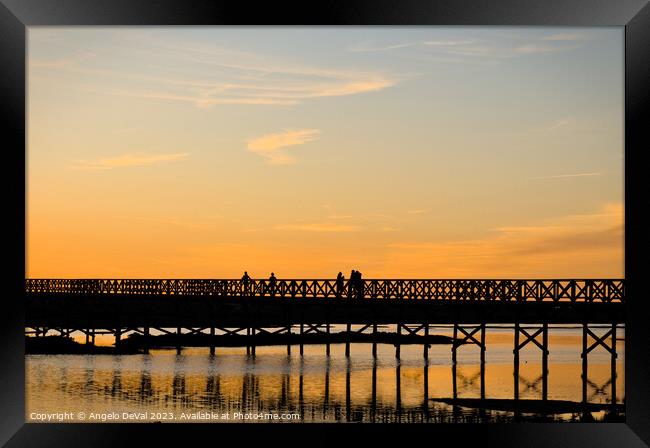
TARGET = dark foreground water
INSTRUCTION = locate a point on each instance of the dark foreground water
(275, 387)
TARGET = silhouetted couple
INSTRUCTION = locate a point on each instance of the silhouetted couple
(355, 285)
(246, 282)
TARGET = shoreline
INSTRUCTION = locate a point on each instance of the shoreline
(138, 344)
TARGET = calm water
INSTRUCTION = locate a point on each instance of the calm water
(275, 387)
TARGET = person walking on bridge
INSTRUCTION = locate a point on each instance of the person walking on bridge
(351, 283)
(340, 284)
(359, 286)
(245, 281)
(272, 283)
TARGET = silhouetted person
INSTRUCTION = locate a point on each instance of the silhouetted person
(353, 276)
(272, 283)
(359, 284)
(340, 284)
(245, 280)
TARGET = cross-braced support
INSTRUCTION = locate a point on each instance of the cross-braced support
(530, 335)
(468, 337)
(608, 342)
(411, 330)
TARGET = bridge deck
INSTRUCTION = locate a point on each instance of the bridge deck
(569, 290)
(204, 303)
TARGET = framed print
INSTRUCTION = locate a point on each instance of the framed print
(356, 214)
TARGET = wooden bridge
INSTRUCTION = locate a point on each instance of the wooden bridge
(211, 311)
(191, 303)
(588, 290)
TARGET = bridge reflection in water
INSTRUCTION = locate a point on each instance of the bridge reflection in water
(336, 387)
(216, 313)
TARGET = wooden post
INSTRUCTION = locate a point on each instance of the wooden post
(301, 402)
(374, 340)
(327, 347)
(584, 362)
(373, 404)
(87, 336)
(516, 362)
(253, 341)
(302, 332)
(545, 361)
(613, 373)
(348, 410)
(327, 383)
(212, 341)
(145, 330)
(289, 340)
(397, 345)
(454, 345)
(426, 385)
(248, 340)
(398, 387)
(92, 336)
(178, 340)
(483, 360)
(426, 341)
(118, 336)
(454, 380)
(347, 341)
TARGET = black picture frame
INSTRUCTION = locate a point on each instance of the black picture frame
(634, 15)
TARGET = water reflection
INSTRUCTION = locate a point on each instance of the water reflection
(332, 388)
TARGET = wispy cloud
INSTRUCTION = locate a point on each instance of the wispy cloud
(128, 160)
(566, 37)
(220, 75)
(271, 146)
(564, 176)
(581, 245)
(367, 46)
(320, 227)
(482, 47)
(418, 211)
(557, 125)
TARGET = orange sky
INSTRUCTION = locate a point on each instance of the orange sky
(404, 153)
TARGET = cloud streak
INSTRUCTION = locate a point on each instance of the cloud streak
(320, 227)
(584, 245)
(128, 160)
(565, 176)
(219, 77)
(477, 47)
(271, 146)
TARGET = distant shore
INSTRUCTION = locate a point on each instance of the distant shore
(137, 343)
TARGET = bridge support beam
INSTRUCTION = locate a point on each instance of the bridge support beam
(398, 346)
(289, 340)
(348, 410)
(531, 337)
(327, 346)
(118, 337)
(145, 332)
(212, 341)
(373, 403)
(347, 340)
(253, 331)
(426, 344)
(608, 342)
(468, 337)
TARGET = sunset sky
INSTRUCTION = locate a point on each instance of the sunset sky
(404, 152)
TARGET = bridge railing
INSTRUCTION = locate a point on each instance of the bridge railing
(570, 290)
